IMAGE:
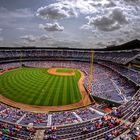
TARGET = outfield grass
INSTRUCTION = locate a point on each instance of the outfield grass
(36, 86)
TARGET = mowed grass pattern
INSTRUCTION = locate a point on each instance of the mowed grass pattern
(65, 70)
(36, 86)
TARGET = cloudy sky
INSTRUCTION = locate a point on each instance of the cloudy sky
(68, 23)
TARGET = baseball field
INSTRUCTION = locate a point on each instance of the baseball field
(41, 86)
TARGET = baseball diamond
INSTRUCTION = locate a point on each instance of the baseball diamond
(41, 86)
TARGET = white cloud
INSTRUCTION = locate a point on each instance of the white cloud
(43, 37)
(55, 11)
(29, 38)
(66, 8)
(72, 8)
(49, 41)
(115, 23)
(51, 27)
(86, 27)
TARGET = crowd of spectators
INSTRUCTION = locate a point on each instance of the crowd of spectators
(115, 56)
(80, 123)
(89, 129)
(121, 57)
(106, 84)
(125, 71)
(9, 131)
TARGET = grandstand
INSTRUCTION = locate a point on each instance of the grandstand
(110, 108)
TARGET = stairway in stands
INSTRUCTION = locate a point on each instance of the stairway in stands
(39, 135)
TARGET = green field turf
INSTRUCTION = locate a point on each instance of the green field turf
(65, 70)
(36, 86)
